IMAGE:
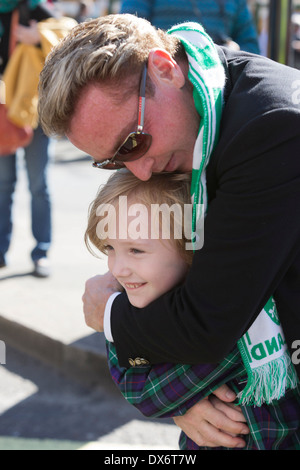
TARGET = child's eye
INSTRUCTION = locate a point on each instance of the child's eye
(108, 248)
(135, 251)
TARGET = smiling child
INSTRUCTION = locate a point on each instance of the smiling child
(143, 229)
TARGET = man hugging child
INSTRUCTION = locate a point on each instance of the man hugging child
(143, 227)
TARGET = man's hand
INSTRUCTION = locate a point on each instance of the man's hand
(215, 421)
(98, 289)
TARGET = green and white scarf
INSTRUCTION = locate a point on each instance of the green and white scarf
(263, 348)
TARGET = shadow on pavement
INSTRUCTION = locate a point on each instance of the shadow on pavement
(60, 408)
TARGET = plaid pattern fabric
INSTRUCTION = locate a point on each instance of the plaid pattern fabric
(167, 390)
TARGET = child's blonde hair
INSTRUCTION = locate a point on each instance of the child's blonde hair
(162, 188)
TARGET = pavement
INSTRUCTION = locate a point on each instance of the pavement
(43, 317)
(42, 409)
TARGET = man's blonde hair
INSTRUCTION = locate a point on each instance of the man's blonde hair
(109, 51)
(161, 188)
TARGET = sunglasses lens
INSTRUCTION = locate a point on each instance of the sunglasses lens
(114, 166)
(135, 146)
(109, 165)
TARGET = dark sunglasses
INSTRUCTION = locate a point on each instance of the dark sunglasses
(137, 143)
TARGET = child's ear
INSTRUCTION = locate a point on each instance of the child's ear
(163, 68)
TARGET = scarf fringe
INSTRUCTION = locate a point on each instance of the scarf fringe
(269, 382)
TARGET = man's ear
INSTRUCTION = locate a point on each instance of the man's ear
(163, 68)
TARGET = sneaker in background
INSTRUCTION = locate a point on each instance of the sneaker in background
(2, 261)
(42, 268)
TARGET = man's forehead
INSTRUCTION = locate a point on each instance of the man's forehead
(92, 99)
(99, 124)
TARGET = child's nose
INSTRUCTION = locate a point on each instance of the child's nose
(120, 268)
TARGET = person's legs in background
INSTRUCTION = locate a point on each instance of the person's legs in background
(7, 187)
(37, 158)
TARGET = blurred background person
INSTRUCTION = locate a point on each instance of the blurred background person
(36, 153)
(228, 22)
(83, 12)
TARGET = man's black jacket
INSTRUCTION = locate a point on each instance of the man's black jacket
(252, 230)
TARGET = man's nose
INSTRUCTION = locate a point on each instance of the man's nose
(142, 168)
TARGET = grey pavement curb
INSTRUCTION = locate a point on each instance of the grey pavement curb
(81, 360)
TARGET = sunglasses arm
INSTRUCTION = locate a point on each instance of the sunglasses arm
(140, 126)
(101, 164)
